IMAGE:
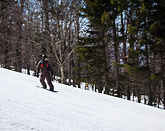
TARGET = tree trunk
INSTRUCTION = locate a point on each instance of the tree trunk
(19, 43)
(77, 37)
(46, 18)
(128, 93)
(116, 60)
(164, 99)
(62, 74)
(125, 54)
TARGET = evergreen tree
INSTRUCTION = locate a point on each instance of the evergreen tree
(91, 48)
(157, 27)
(102, 16)
(91, 59)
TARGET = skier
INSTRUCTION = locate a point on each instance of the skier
(45, 69)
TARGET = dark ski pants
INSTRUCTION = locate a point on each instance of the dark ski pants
(42, 80)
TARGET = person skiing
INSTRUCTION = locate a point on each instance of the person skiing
(45, 69)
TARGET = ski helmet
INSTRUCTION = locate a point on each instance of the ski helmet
(44, 56)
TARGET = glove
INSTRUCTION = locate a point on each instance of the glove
(37, 75)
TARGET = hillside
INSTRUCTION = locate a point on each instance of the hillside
(24, 106)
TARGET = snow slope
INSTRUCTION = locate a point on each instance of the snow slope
(24, 107)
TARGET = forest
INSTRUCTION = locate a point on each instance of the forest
(115, 46)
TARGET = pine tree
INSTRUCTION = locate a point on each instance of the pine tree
(102, 15)
(157, 27)
(91, 59)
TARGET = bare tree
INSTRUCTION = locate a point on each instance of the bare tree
(62, 38)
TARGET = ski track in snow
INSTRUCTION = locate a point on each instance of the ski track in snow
(25, 107)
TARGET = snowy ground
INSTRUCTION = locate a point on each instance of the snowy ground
(24, 107)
